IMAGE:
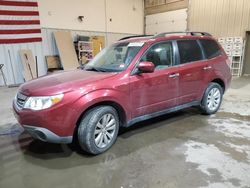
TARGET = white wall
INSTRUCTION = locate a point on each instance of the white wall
(63, 14)
(127, 15)
(170, 21)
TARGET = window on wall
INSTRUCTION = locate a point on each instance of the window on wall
(161, 55)
(211, 48)
(189, 51)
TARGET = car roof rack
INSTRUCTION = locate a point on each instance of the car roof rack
(135, 36)
(193, 33)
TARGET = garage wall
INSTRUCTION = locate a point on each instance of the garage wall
(166, 22)
(49, 45)
(12, 62)
(125, 16)
(64, 14)
(159, 6)
(121, 16)
(10, 57)
(113, 19)
(221, 18)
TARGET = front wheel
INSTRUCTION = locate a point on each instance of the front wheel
(212, 98)
(98, 129)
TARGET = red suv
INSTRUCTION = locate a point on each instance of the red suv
(135, 79)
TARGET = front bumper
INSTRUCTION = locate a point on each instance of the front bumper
(46, 135)
(54, 125)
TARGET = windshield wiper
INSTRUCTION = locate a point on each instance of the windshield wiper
(94, 69)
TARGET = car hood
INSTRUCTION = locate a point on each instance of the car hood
(62, 82)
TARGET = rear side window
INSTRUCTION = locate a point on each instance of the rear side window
(189, 51)
(211, 48)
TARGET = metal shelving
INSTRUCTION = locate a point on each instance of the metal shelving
(234, 48)
(85, 51)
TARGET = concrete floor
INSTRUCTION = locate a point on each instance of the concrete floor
(184, 149)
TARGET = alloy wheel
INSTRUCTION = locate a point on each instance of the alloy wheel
(213, 99)
(105, 130)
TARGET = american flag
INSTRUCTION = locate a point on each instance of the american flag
(19, 21)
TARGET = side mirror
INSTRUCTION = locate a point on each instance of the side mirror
(146, 67)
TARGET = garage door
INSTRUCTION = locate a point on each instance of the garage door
(166, 22)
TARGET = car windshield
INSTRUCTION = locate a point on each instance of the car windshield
(115, 58)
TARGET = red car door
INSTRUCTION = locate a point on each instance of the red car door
(192, 71)
(191, 81)
(153, 92)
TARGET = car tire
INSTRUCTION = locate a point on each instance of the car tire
(212, 99)
(98, 129)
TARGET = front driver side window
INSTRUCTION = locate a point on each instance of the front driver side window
(161, 55)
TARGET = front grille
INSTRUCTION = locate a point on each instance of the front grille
(20, 100)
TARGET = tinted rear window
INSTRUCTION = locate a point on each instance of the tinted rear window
(189, 51)
(211, 48)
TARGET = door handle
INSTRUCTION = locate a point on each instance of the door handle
(174, 75)
(207, 67)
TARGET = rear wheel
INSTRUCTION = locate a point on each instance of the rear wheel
(212, 98)
(98, 129)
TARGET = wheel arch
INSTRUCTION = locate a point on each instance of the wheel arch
(120, 111)
(220, 82)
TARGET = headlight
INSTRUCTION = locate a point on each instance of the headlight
(40, 103)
